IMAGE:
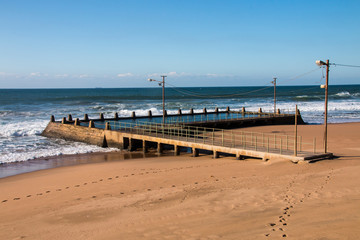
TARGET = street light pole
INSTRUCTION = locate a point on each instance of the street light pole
(161, 83)
(274, 82)
(163, 96)
(327, 64)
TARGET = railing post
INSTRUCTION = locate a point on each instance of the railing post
(222, 139)
(287, 142)
(232, 139)
(244, 140)
(213, 137)
(274, 141)
(255, 143)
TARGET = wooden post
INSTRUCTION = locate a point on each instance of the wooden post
(86, 117)
(91, 124)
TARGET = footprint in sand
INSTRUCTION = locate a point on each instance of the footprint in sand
(48, 191)
(94, 182)
(284, 235)
(85, 184)
(77, 186)
(16, 198)
(101, 180)
(122, 193)
(109, 178)
(117, 177)
(39, 194)
(67, 187)
(58, 190)
(28, 196)
(93, 196)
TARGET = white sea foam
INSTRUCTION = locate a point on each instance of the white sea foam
(20, 129)
(68, 148)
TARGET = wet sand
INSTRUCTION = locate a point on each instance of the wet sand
(192, 198)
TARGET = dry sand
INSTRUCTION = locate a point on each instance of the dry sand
(192, 198)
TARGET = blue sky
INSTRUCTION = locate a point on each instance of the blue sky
(96, 43)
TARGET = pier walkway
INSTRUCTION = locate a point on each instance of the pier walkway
(219, 141)
(218, 132)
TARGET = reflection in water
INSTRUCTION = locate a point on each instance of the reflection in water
(10, 169)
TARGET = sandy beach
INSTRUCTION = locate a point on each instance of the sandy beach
(192, 198)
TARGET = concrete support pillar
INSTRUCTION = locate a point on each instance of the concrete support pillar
(91, 124)
(195, 152)
(107, 126)
(86, 117)
(204, 111)
(179, 112)
(278, 111)
(243, 110)
(63, 121)
(52, 118)
(101, 116)
(215, 154)
(159, 148)
(144, 146)
(238, 156)
(133, 115)
(116, 116)
(165, 113)
(228, 109)
(131, 144)
(260, 110)
(176, 150)
(77, 122)
(191, 111)
(149, 113)
(69, 118)
(216, 110)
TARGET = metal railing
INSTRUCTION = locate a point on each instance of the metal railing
(213, 117)
(265, 142)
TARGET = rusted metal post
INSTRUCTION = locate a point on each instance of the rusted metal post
(222, 139)
(295, 144)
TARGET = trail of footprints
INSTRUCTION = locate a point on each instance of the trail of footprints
(281, 223)
(143, 172)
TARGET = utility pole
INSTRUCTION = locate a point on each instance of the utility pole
(296, 131)
(161, 83)
(274, 82)
(327, 64)
(163, 96)
(326, 105)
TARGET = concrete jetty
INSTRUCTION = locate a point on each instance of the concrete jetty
(203, 133)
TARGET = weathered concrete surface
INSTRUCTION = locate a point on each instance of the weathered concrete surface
(108, 138)
(93, 136)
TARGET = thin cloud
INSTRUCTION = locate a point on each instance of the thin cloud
(121, 75)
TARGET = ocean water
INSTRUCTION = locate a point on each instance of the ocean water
(24, 113)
